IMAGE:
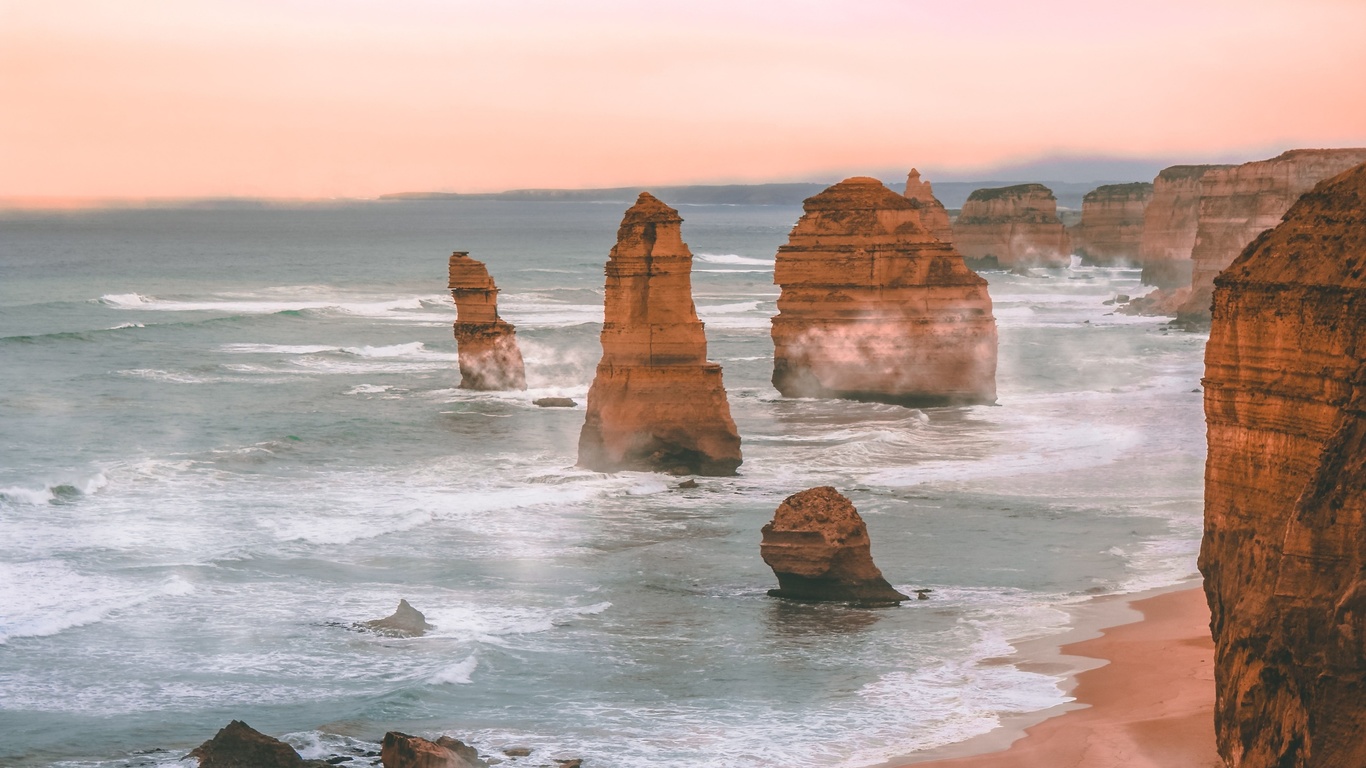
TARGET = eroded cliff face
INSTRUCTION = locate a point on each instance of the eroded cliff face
(489, 356)
(1014, 226)
(1169, 224)
(1111, 225)
(873, 307)
(1241, 202)
(933, 216)
(656, 402)
(1284, 553)
(818, 547)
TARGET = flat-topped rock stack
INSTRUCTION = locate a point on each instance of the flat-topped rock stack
(1284, 552)
(1111, 227)
(656, 403)
(1016, 226)
(874, 307)
(487, 345)
(933, 215)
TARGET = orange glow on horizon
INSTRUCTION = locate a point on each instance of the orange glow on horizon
(148, 98)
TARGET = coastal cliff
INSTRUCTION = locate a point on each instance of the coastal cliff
(934, 217)
(1111, 227)
(1284, 552)
(656, 403)
(1169, 224)
(487, 345)
(873, 307)
(1241, 202)
(1014, 226)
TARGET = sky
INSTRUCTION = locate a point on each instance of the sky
(358, 98)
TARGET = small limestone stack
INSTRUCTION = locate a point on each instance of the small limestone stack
(487, 345)
(656, 402)
(933, 216)
(1169, 225)
(1015, 226)
(817, 546)
(1111, 225)
(874, 308)
(1239, 203)
(1284, 552)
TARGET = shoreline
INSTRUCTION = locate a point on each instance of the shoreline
(1140, 668)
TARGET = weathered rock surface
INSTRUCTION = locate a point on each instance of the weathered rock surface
(1111, 227)
(1239, 203)
(489, 356)
(656, 403)
(407, 621)
(817, 546)
(238, 745)
(554, 402)
(1169, 224)
(399, 750)
(873, 307)
(934, 217)
(1284, 552)
(1015, 226)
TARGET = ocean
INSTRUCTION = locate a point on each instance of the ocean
(227, 433)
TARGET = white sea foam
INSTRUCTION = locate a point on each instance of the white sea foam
(734, 258)
(45, 597)
(458, 673)
(270, 302)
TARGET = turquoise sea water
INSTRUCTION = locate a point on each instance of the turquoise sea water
(225, 434)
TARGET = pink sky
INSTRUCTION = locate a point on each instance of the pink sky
(320, 98)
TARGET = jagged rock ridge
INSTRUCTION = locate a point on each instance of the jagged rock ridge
(873, 307)
(489, 356)
(656, 403)
(934, 217)
(1284, 552)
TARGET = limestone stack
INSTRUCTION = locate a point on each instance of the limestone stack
(487, 345)
(1239, 203)
(1111, 225)
(873, 307)
(1014, 226)
(818, 547)
(1169, 224)
(1284, 552)
(933, 216)
(656, 402)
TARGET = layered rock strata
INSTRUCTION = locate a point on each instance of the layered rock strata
(818, 547)
(1111, 227)
(1239, 203)
(1284, 552)
(874, 307)
(656, 403)
(1169, 224)
(934, 217)
(1014, 226)
(489, 356)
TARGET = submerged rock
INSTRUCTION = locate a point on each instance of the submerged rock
(487, 345)
(407, 621)
(399, 750)
(656, 402)
(818, 547)
(554, 402)
(238, 745)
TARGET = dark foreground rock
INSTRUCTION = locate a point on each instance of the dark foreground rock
(818, 547)
(554, 402)
(407, 621)
(238, 745)
(400, 750)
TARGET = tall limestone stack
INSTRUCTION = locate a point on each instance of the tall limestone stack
(1284, 553)
(1239, 203)
(1014, 226)
(487, 345)
(656, 402)
(873, 307)
(1169, 224)
(933, 216)
(1112, 223)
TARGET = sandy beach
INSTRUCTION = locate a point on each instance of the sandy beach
(1147, 704)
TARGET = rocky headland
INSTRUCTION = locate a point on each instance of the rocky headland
(1111, 227)
(934, 217)
(1016, 226)
(656, 403)
(1284, 551)
(1169, 224)
(873, 307)
(487, 345)
(818, 547)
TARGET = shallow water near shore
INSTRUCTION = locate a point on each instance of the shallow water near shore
(227, 434)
